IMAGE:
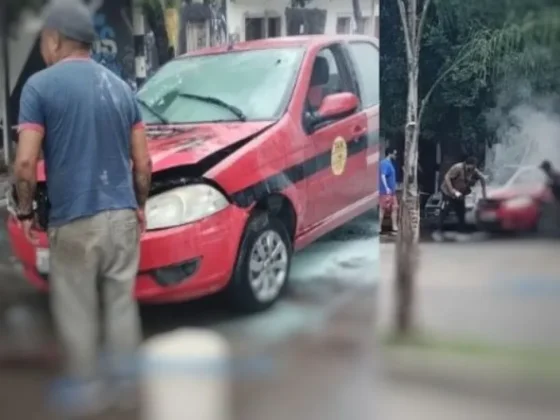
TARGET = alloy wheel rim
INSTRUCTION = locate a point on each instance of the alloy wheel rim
(268, 266)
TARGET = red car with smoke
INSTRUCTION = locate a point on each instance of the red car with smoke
(518, 201)
(258, 149)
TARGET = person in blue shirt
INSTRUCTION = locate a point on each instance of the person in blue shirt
(86, 121)
(388, 202)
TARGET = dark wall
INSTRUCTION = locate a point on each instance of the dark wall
(33, 64)
(115, 47)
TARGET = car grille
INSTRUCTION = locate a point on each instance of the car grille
(40, 204)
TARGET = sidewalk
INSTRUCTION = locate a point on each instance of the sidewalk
(504, 292)
(326, 372)
(488, 313)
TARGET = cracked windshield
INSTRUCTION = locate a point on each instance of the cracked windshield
(287, 209)
(242, 85)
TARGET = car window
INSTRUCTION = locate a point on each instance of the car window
(334, 83)
(328, 76)
(257, 82)
(366, 61)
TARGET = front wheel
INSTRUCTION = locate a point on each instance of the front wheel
(263, 264)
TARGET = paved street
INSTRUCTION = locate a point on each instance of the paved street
(499, 295)
(324, 277)
(496, 291)
(503, 291)
(321, 275)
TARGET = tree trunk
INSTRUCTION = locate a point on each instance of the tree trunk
(407, 240)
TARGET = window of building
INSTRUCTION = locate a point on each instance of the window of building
(262, 27)
(254, 28)
(274, 27)
(343, 25)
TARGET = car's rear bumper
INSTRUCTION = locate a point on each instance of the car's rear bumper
(175, 264)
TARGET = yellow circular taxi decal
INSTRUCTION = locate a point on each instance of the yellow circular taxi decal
(339, 154)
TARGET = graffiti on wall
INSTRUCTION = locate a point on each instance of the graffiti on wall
(114, 47)
(105, 50)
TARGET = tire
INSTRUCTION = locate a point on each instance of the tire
(242, 296)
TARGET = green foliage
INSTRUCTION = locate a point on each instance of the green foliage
(488, 45)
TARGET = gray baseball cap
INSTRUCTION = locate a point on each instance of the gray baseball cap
(71, 18)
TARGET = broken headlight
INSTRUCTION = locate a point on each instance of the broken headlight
(183, 205)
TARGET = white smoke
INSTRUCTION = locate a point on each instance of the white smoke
(527, 128)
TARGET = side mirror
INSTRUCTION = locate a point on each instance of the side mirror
(337, 105)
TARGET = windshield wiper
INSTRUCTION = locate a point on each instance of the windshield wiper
(216, 101)
(156, 114)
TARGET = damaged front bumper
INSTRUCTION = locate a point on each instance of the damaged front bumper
(176, 264)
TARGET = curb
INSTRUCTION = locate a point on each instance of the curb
(496, 380)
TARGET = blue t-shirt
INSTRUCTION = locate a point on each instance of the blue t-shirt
(387, 168)
(87, 114)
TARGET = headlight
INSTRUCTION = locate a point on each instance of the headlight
(183, 205)
(518, 202)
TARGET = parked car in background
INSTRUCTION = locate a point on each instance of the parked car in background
(258, 149)
(518, 199)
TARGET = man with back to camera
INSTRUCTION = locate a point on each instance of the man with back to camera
(457, 184)
(553, 178)
(88, 125)
(388, 202)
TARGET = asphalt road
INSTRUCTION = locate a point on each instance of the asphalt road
(321, 276)
(501, 291)
(498, 294)
(486, 289)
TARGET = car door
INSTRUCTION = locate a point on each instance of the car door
(365, 58)
(339, 180)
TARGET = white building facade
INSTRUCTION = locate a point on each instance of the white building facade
(255, 19)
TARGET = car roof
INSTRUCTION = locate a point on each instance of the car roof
(283, 42)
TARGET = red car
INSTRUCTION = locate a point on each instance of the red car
(517, 203)
(258, 149)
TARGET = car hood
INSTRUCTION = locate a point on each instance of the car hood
(505, 193)
(186, 145)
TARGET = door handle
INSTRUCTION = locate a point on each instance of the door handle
(358, 129)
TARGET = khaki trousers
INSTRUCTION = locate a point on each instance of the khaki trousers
(94, 263)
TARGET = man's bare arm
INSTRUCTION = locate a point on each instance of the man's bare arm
(141, 165)
(482, 180)
(451, 173)
(25, 167)
(384, 181)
